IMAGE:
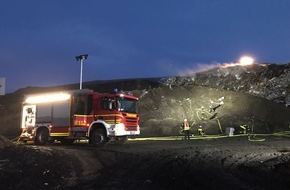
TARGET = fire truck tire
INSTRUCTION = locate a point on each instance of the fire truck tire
(41, 137)
(98, 137)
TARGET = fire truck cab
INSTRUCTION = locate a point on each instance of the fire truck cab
(79, 115)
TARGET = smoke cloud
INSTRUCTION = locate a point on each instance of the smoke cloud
(202, 67)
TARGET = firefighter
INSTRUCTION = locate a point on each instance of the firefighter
(186, 128)
(244, 129)
(200, 131)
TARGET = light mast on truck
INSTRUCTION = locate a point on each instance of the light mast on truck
(79, 114)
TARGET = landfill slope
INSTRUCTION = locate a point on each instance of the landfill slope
(270, 81)
(162, 111)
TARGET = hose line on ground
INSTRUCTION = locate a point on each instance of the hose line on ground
(254, 138)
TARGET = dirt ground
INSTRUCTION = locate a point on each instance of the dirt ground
(223, 163)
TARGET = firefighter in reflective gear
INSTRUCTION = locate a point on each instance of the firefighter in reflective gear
(244, 128)
(200, 131)
(186, 128)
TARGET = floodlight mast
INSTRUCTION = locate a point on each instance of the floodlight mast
(81, 58)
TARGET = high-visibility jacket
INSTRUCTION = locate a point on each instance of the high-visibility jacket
(186, 126)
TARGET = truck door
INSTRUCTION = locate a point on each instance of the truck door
(82, 113)
(61, 118)
(57, 114)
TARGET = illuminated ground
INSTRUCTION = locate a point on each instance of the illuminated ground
(164, 163)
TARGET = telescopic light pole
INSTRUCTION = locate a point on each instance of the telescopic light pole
(81, 58)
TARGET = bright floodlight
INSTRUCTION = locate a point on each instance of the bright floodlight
(246, 60)
(45, 98)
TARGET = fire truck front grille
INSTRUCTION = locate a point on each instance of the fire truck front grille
(132, 120)
(131, 123)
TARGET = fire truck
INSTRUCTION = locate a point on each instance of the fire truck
(79, 115)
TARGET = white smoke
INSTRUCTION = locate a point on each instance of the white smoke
(200, 67)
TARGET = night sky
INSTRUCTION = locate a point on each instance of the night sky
(39, 39)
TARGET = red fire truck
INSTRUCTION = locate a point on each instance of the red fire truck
(79, 115)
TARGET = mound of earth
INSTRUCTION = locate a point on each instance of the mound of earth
(270, 81)
(162, 110)
(31, 167)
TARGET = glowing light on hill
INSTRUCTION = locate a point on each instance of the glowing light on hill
(244, 61)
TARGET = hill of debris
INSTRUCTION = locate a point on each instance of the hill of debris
(227, 96)
(270, 81)
(162, 110)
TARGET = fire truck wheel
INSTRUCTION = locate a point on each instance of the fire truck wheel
(41, 137)
(98, 137)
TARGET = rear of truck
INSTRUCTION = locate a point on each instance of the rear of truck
(45, 116)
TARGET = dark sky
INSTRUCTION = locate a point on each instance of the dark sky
(132, 38)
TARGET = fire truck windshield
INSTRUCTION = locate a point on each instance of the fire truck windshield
(126, 105)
